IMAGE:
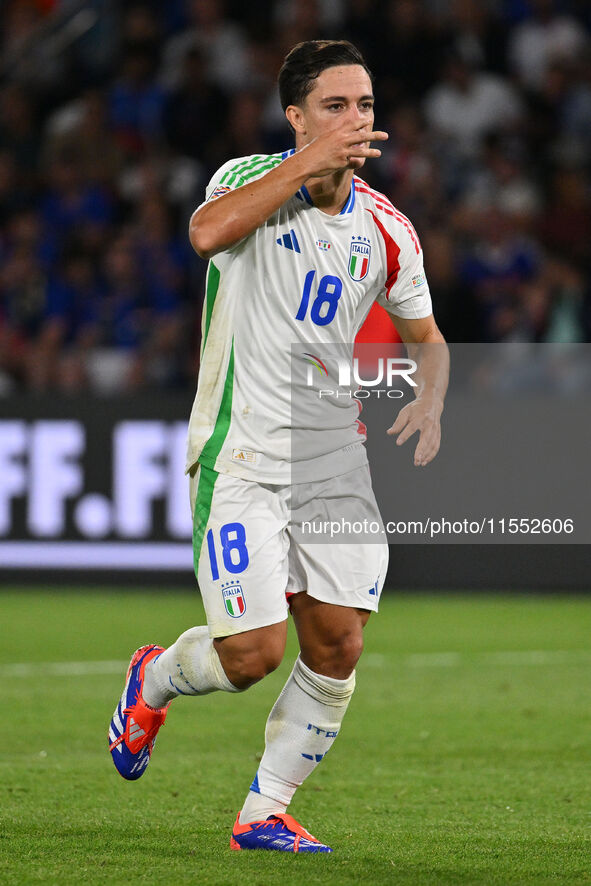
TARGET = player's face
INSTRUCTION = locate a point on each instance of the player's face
(340, 94)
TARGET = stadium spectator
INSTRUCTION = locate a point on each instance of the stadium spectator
(407, 169)
(566, 224)
(75, 288)
(164, 258)
(137, 102)
(81, 129)
(32, 314)
(300, 20)
(19, 132)
(538, 42)
(457, 310)
(468, 104)
(319, 14)
(10, 187)
(497, 263)
(192, 102)
(74, 205)
(500, 180)
(222, 42)
(21, 21)
(138, 323)
(243, 133)
(476, 31)
(164, 174)
(361, 24)
(401, 72)
(575, 117)
(141, 29)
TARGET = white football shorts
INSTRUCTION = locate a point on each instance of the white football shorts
(247, 561)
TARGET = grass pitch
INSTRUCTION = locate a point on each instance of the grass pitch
(464, 757)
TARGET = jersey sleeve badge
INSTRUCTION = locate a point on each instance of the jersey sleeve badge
(219, 192)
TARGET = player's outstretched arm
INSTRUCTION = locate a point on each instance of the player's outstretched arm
(425, 345)
(222, 223)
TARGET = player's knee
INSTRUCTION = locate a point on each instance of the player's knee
(249, 667)
(337, 656)
(348, 651)
(246, 663)
(264, 662)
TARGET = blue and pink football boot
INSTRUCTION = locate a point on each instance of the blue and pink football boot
(280, 832)
(134, 726)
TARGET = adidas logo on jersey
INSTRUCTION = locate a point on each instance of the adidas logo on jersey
(290, 241)
(244, 455)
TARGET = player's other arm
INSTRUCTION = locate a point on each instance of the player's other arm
(222, 223)
(426, 345)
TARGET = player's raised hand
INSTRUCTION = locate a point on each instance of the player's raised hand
(421, 415)
(346, 147)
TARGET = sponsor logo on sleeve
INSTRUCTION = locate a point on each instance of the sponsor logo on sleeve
(418, 280)
(219, 192)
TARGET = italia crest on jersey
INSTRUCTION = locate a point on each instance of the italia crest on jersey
(359, 258)
(234, 601)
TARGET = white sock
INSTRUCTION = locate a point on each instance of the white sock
(191, 666)
(301, 728)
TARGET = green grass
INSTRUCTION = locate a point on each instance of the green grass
(471, 769)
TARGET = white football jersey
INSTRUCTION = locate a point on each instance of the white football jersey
(303, 277)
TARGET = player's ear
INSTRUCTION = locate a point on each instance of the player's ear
(295, 118)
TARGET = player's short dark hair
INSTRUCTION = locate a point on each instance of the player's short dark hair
(307, 60)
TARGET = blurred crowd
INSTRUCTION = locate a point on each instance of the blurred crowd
(115, 113)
